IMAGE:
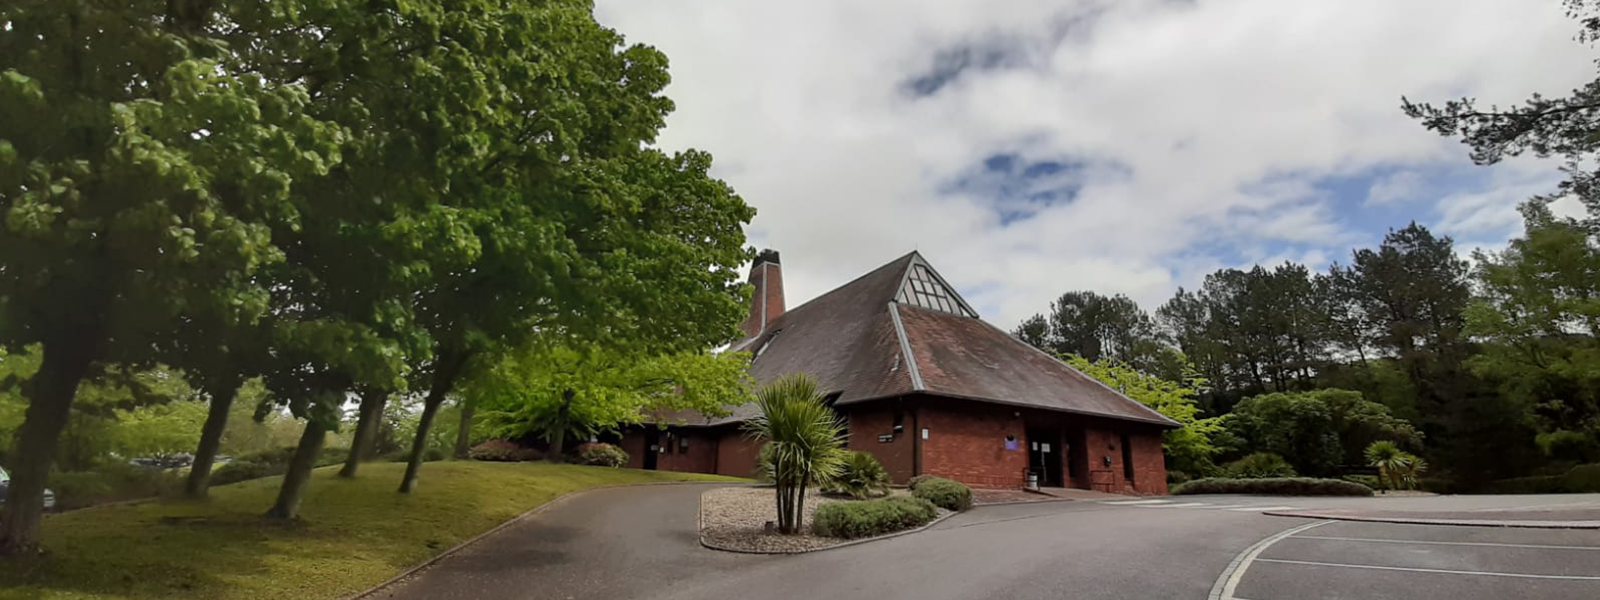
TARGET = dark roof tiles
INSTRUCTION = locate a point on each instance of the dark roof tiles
(848, 339)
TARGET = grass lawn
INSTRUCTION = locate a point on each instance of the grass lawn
(352, 534)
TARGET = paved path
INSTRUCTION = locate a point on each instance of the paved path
(641, 543)
(612, 543)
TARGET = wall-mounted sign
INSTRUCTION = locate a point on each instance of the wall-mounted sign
(924, 433)
(885, 438)
(1011, 444)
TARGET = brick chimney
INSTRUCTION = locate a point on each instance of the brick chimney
(766, 275)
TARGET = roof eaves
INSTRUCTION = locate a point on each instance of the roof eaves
(1159, 418)
(905, 347)
(1164, 422)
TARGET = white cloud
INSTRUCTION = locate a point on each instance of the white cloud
(1397, 187)
(1205, 125)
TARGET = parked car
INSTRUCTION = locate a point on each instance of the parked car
(5, 484)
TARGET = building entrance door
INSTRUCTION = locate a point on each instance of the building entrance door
(1044, 456)
(652, 447)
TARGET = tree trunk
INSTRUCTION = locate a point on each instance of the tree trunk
(558, 432)
(52, 391)
(444, 377)
(464, 431)
(366, 433)
(205, 455)
(294, 481)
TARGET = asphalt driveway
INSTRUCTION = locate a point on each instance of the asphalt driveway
(642, 543)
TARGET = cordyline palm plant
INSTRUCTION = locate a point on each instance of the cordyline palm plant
(1397, 469)
(803, 443)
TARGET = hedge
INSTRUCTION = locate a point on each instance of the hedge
(268, 463)
(944, 493)
(867, 518)
(1582, 479)
(1275, 486)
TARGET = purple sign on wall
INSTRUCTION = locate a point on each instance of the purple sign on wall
(1011, 444)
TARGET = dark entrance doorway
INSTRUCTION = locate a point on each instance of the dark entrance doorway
(652, 447)
(1044, 456)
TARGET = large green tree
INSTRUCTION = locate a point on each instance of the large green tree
(1538, 318)
(1189, 448)
(552, 390)
(140, 176)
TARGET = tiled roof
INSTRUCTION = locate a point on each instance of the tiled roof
(850, 340)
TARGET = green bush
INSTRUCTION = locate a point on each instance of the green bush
(863, 477)
(113, 482)
(918, 480)
(1177, 477)
(431, 454)
(1582, 479)
(503, 451)
(1540, 484)
(1259, 466)
(1437, 485)
(601, 455)
(868, 518)
(1371, 481)
(1277, 486)
(267, 463)
(944, 493)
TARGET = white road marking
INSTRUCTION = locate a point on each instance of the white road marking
(1416, 570)
(1262, 508)
(1229, 579)
(1225, 506)
(1183, 505)
(1137, 502)
(1489, 544)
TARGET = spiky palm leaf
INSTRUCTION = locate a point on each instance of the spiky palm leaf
(804, 442)
(1389, 460)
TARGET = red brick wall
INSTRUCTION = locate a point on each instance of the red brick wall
(633, 444)
(699, 456)
(871, 420)
(1104, 441)
(966, 442)
(736, 454)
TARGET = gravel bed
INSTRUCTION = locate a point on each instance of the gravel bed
(735, 518)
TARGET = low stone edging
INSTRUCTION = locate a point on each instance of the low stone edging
(842, 543)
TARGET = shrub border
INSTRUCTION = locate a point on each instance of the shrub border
(528, 514)
(699, 527)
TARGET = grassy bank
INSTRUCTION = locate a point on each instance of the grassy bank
(352, 533)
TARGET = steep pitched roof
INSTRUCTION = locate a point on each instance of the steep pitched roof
(901, 329)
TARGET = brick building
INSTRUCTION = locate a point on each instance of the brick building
(927, 387)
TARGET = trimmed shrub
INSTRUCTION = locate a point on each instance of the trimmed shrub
(1259, 466)
(503, 451)
(268, 463)
(863, 477)
(1541, 484)
(431, 454)
(944, 493)
(1371, 481)
(112, 482)
(868, 518)
(1177, 477)
(1276, 486)
(918, 480)
(1582, 479)
(601, 455)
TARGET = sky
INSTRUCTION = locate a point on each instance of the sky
(1030, 147)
